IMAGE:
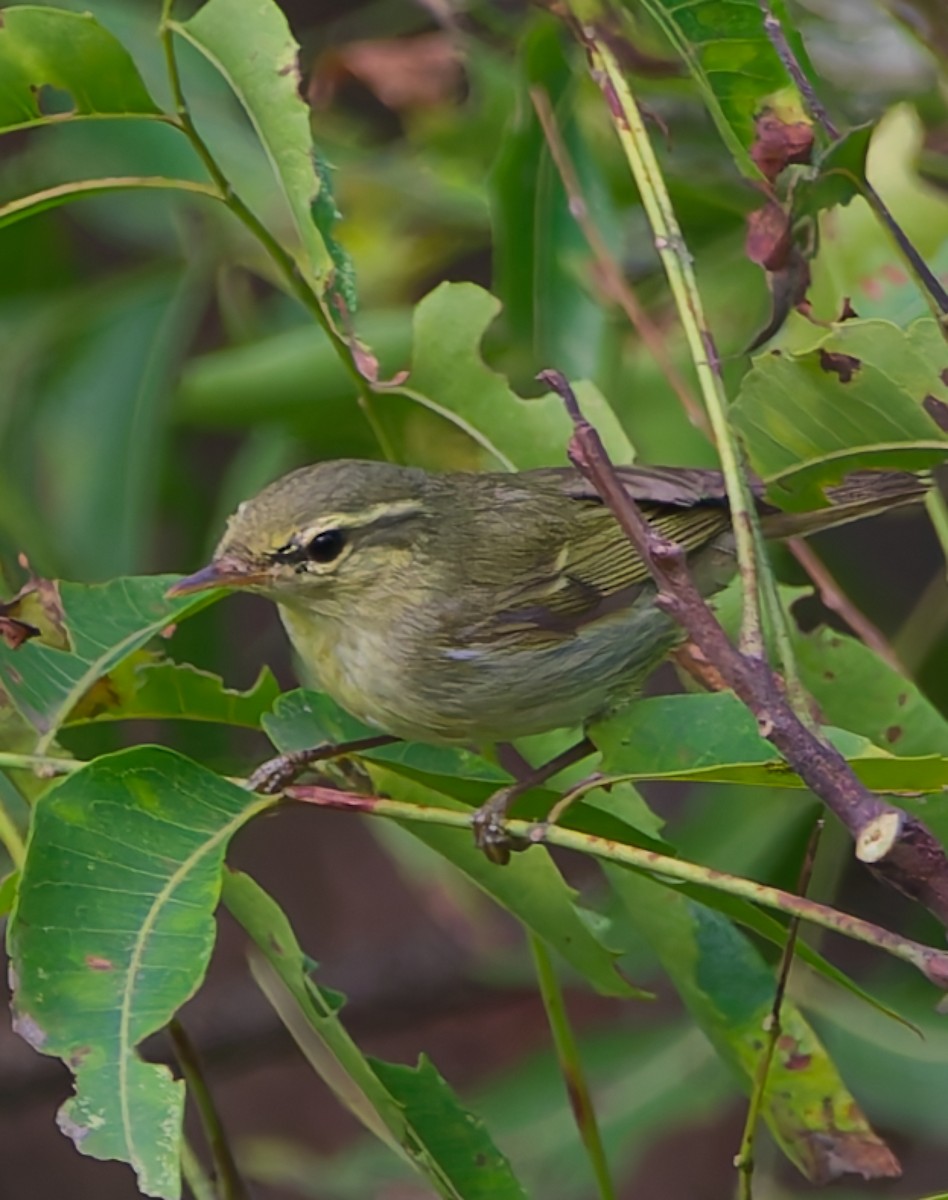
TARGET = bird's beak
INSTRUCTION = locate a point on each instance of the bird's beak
(221, 573)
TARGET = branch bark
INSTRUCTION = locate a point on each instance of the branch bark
(901, 850)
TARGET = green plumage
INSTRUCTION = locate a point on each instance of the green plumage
(480, 608)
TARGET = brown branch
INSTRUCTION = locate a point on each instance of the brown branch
(901, 850)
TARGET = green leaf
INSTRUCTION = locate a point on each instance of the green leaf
(411, 1110)
(714, 738)
(141, 687)
(450, 378)
(542, 263)
(473, 1164)
(250, 43)
(109, 482)
(274, 379)
(839, 174)
(742, 912)
(852, 401)
(729, 990)
(530, 886)
(47, 47)
(112, 931)
(852, 685)
(732, 61)
(104, 624)
(325, 216)
(302, 719)
(8, 886)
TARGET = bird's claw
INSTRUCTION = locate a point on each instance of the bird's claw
(490, 829)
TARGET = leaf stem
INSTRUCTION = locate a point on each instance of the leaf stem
(229, 1180)
(284, 261)
(39, 764)
(12, 838)
(679, 268)
(932, 963)
(571, 1067)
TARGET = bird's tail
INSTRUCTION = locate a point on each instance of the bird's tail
(861, 494)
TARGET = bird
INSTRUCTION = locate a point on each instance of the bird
(478, 608)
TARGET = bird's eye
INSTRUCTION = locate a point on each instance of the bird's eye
(326, 546)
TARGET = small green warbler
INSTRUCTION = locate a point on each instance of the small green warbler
(479, 608)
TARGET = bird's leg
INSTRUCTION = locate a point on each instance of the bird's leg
(276, 773)
(489, 832)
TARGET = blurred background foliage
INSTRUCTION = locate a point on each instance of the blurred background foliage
(154, 374)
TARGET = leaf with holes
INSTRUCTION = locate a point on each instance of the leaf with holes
(104, 624)
(725, 46)
(46, 47)
(450, 378)
(149, 687)
(855, 399)
(729, 990)
(111, 933)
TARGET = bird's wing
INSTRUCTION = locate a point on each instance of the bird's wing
(679, 486)
(594, 573)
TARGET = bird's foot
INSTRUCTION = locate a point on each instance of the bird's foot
(278, 773)
(490, 826)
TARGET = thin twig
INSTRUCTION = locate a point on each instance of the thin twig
(897, 845)
(838, 602)
(745, 1157)
(932, 963)
(611, 277)
(228, 1177)
(571, 1068)
(197, 1179)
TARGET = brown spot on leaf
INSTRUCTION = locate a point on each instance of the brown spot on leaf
(893, 733)
(768, 239)
(829, 675)
(779, 143)
(275, 945)
(830, 1153)
(95, 962)
(847, 312)
(845, 366)
(902, 699)
(38, 606)
(78, 1057)
(13, 632)
(937, 410)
